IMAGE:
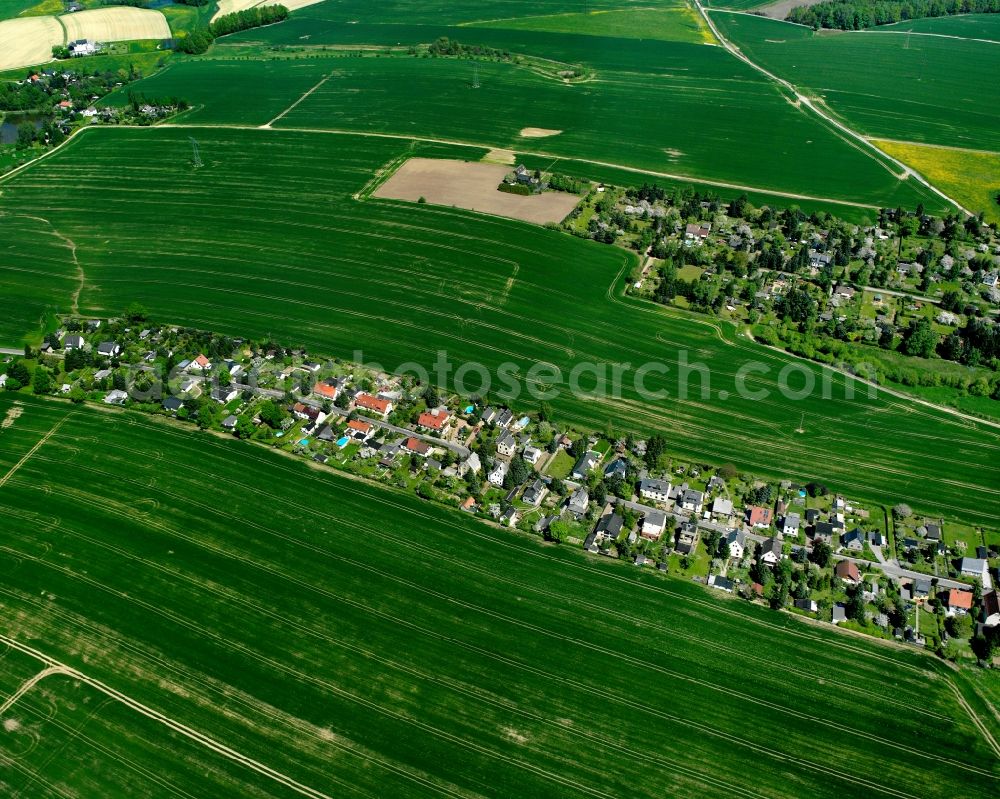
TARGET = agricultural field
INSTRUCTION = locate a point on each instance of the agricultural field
(972, 178)
(678, 23)
(28, 40)
(33, 283)
(677, 133)
(930, 90)
(266, 238)
(966, 26)
(169, 675)
(14, 8)
(115, 25)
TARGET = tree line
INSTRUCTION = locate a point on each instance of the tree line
(852, 15)
(198, 41)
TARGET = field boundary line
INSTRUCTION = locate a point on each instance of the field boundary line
(305, 96)
(876, 139)
(38, 445)
(980, 724)
(932, 35)
(541, 154)
(168, 722)
(28, 684)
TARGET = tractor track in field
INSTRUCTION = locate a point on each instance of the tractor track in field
(54, 666)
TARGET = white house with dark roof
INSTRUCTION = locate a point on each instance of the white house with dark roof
(656, 490)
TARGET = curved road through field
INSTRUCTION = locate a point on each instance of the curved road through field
(876, 153)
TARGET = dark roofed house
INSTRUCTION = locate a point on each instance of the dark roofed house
(823, 531)
(172, 404)
(854, 540)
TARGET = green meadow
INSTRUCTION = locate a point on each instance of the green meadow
(266, 238)
(680, 23)
(966, 26)
(670, 123)
(35, 281)
(924, 89)
(361, 643)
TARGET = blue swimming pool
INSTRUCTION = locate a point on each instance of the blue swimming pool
(342, 442)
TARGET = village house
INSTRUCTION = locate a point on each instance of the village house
(722, 508)
(736, 541)
(758, 517)
(535, 493)
(691, 500)
(854, 540)
(687, 538)
(224, 394)
(506, 444)
(360, 429)
(977, 567)
(499, 472)
(325, 390)
(720, 582)
(654, 522)
(790, 524)
(991, 609)
(957, 602)
(823, 531)
(510, 517)
(770, 551)
(578, 502)
(847, 571)
(656, 490)
(418, 447)
(436, 420)
(696, 234)
(584, 464)
(73, 342)
(109, 349)
(199, 364)
(609, 527)
(116, 397)
(618, 468)
(376, 405)
(532, 455)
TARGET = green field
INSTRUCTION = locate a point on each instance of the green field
(362, 643)
(929, 89)
(680, 23)
(656, 122)
(265, 239)
(968, 26)
(33, 282)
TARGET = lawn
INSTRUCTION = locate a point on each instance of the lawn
(363, 643)
(265, 239)
(930, 89)
(561, 465)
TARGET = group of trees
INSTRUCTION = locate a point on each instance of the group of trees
(861, 14)
(444, 46)
(200, 39)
